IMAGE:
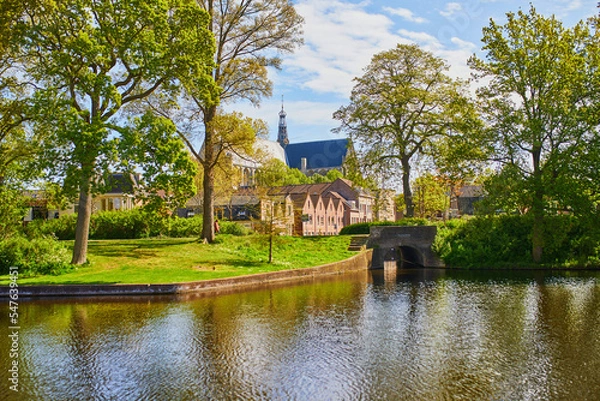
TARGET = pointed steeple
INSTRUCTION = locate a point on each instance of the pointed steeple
(282, 136)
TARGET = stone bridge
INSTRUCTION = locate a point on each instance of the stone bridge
(410, 246)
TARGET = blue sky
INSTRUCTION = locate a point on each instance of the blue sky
(341, 36)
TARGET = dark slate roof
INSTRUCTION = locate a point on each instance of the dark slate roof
(470, 191)
(318, 154)
(300, 189)
(119, 183)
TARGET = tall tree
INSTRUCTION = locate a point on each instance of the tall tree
(249, 34)
(16, 146)
(542, 106)
(399, 108)
(90, 59)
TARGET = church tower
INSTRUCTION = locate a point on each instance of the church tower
(282, 136)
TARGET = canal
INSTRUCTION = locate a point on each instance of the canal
(414, 335)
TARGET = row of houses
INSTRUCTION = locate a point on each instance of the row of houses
(305, 210)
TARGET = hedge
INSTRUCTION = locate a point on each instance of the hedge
(364, 228)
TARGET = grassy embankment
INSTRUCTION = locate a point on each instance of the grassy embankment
(185, 259)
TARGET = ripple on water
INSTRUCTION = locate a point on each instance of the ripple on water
(444, 339)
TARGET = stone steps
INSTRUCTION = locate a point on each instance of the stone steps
(358, 242)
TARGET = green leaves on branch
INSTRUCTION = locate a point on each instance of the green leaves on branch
(401, 109)
(542, 107)
(153, 148)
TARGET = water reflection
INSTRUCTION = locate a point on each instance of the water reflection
(412, 335)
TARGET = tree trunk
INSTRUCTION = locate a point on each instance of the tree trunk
(408, 197)
(208, 213)
(537, 208)
(208, 181)
(82, 230)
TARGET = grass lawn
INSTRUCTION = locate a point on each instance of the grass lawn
(177, 260)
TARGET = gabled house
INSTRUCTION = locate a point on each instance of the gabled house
(119, 193)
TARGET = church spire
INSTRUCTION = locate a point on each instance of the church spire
(282, 136)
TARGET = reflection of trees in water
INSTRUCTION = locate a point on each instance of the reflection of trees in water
(245, 336)
(421, 336)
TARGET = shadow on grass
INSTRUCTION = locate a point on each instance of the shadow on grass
(98, 282)
(142, 243)
(138, 249)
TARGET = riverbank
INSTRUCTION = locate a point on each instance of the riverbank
(358, 262)
(170, 261)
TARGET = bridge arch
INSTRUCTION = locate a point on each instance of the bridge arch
(409, 246)
(404, 256)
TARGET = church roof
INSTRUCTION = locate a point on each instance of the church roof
(300, 189)
(319, 154)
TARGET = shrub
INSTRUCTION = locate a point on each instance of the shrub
(62, 228)
(364, 228)
(182, 227)
(128, 224)
(42, 255)
(505, 241)
(233, 228)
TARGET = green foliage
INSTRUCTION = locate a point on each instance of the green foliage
(183, 228)
(429, 196)
(12, 211)
(275, 173)
(124, 224)
(402, 105)
(505, 241)
(88, 60)
(35, 256)
(364, 228)
(153, 147)
(233, 228)
(62, 228)
(542, 108)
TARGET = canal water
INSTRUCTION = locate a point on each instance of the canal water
(412, 335)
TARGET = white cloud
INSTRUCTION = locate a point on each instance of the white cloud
(570, 5)
(406, 14)
(340, 39)
(424, 39)
(451, 9)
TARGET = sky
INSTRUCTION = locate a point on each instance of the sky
(341, 37)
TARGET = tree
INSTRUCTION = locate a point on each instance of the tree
(16, 146)
(233, 137)
(542, 107)
(275, 173)
(90, 59)
(153, 148)
(399, 108)
(430, 196)
(248, 34)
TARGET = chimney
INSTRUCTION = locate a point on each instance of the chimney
(303, 164)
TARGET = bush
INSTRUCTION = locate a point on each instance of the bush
(36, 256)
(505, 241)
(128, 224)
(182, 227)
(365, 228)
(233, 228)
(62, 228)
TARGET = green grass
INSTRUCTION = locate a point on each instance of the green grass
(178, 260)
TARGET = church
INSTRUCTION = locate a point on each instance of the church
(305, 210)
(309, 157)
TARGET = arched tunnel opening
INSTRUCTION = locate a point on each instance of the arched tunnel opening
(406, 257)
(409, 258)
